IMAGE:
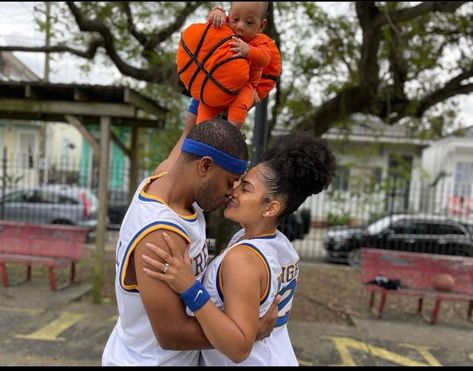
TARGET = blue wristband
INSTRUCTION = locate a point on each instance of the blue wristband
(193, 106)
(195, 297)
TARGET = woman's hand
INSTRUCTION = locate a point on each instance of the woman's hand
(176, 270)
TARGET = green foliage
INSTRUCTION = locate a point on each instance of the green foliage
(321, 52)
(337, 219)
(10, 180)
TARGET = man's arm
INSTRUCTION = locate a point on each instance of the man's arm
(173, 328)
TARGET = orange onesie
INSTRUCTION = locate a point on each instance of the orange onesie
(264, 63)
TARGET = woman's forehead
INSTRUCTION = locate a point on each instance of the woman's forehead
(254, 174)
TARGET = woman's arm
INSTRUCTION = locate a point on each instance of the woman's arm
(233, 331)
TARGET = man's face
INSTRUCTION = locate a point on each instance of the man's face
(215, 190)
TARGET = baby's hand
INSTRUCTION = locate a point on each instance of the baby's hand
(216, 17)
(239, 47)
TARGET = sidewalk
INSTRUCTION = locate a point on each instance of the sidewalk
(40, 327)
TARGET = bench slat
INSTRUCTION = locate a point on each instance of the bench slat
(53, 245)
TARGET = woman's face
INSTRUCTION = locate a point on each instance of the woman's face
(246, 205)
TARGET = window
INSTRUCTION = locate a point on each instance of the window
(18, 196)
(404, 227)
(340, 182)
(421, 228)
(377, 175)
(463, 179)
(447, 229)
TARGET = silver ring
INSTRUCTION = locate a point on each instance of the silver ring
(166, 266)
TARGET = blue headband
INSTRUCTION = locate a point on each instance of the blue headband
(222, 159)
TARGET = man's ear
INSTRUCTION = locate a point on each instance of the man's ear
(205, 164)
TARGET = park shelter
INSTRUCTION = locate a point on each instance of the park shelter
(103, 106)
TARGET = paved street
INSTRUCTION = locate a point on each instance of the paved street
(40, 327)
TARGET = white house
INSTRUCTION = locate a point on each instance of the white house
(20, 140)
(378, 171)
(384, 169)
(448, 163)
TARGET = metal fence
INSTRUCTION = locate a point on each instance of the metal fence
(59, 191)
(64, 192)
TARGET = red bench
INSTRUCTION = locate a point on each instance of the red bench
(46, 244)
(416, 272)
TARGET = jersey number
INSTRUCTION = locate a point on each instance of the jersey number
(287, 294)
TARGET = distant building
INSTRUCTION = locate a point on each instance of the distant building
(448, 163)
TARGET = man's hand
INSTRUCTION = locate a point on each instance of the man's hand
(267, 322)
(217, 17)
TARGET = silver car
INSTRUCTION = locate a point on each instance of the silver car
(51, 204)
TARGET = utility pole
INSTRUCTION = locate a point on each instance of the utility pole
(260, 132)
(43, 125)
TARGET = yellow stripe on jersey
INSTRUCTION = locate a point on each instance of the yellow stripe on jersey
(136, 240)
(147, 197)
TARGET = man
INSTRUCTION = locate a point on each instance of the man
(153, 327)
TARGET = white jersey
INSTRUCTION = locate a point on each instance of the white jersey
(282, 262)
(132, 341)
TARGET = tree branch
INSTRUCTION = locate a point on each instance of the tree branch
(413, 12)
(350, 100)
(88, 54)
(141, 37)
(450, 89)
(173, 27)
(368, 65)
(155, 74)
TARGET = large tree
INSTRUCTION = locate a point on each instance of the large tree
(393, 60)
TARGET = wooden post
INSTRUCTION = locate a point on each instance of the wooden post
(105, 124)
(134, 162)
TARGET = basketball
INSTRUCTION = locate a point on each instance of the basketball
(443, 282)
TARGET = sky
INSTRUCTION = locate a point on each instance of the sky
(17, 27)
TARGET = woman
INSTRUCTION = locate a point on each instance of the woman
(259, 262)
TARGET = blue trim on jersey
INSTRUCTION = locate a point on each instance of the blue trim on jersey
(142, 198)
(282, 320)
(219, 289)
(267, 266)
(269, 237)
(131, 243)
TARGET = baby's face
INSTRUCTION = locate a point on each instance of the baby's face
(246, 19)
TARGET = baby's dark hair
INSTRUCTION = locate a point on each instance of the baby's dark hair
(295, 167)
(221, 135)
(265, 8)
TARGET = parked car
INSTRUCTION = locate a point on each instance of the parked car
(406, 232)
(296, 225)
(51, 204)
(117, 206)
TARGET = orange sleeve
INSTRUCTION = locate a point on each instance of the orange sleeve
(260, 53)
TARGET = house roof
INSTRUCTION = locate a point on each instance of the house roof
(462, 132)
(12, 68)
